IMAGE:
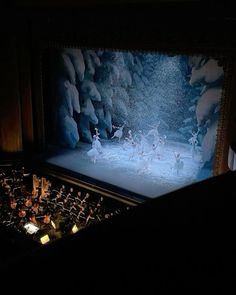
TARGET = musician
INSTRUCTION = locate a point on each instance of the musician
(13, 204)
(28, 202)
(63, 189)
(22, 214)
(65, 200)
(23, 190)
(90, 216)
(99, 206)
(78, 197)
(47, 218)
(96, 214)
(41, 209)
(81, 212)
(43, 198)
(70, 195)
(74, 207)
(33, 219)
(6, 187)
(85, 199)
(58, 198)
(35, 208)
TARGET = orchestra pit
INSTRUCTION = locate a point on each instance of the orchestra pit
(48, 209)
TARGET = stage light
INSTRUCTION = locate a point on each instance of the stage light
(31, 228)
(75, 229)
(44, 239)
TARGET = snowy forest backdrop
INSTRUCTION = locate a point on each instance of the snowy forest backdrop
(178, 94)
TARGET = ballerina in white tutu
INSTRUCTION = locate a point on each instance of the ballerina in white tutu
(179, 164)
(96, 142)
(119, 132)
(96, 149)
(194, 142)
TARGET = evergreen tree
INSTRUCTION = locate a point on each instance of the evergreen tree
(207, 73)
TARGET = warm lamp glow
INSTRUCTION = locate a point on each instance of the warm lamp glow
(75, 229)
(44, 239)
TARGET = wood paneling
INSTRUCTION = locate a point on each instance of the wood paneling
(10, 114)
(23, 51)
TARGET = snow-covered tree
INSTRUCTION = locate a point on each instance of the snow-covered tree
(207, 73)
(110, 88)
(66, 103)
(103, 82)
(77, 60)
(160, 92)
(112, 79)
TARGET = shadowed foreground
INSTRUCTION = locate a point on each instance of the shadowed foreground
(180, 241)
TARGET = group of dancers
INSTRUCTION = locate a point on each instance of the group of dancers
(137, 145)
(143, 148)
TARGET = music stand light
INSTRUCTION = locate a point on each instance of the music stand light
(44, 239)
(75, 229)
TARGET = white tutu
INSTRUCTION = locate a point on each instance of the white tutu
(93, 154)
